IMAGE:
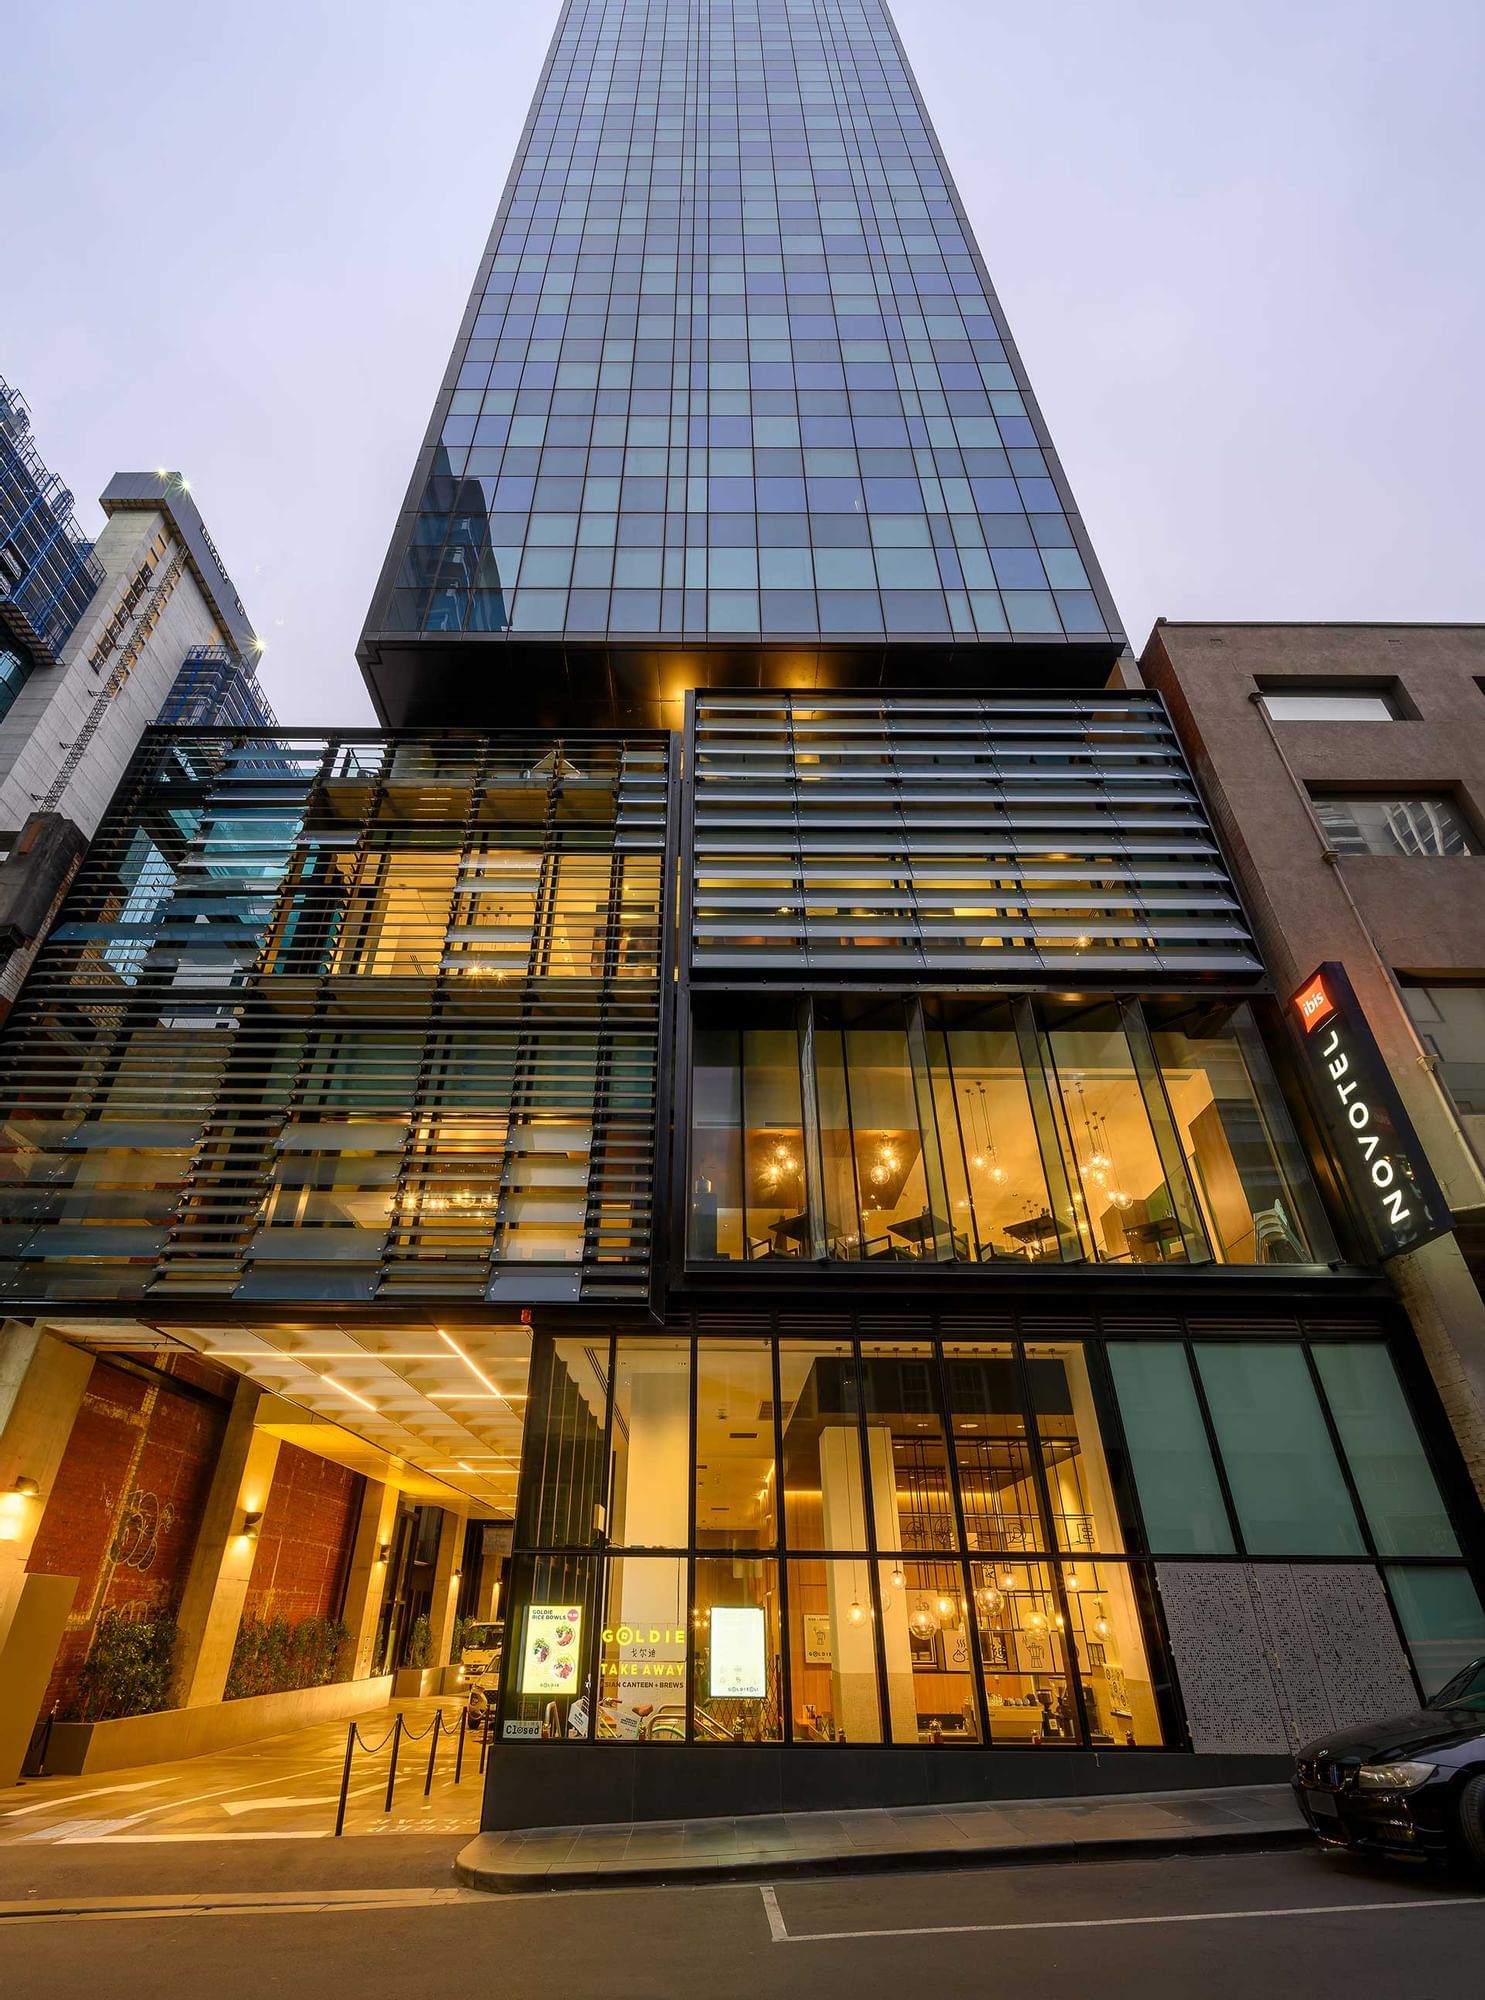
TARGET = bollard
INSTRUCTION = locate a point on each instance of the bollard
(433, 1751)
(392, 1771)
(459, 1753)
(345, 1779)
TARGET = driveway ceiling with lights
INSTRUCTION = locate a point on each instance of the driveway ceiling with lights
(447, 1400)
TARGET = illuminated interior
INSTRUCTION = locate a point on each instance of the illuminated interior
(951, 1131)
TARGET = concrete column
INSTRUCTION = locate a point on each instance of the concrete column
(367, 1583)
(42, 1381)
(222, 1565)
(487, 1604)
(848, 1596)
(446, 1581)
(1448, 1314)
(646, 1594)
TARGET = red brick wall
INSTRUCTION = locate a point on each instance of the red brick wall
(304, 1544)
(124, 1512)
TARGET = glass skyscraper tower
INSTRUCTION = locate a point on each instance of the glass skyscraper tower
(732, 373)
(756, 1076)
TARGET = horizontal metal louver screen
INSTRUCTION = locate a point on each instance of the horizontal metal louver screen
(1010, 836)
(348, 1016)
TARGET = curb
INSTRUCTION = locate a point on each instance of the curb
(862, 1861)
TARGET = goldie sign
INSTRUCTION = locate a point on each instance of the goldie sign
(645, 1652)
(549, 1657)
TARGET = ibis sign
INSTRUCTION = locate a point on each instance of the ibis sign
(1371, 1136)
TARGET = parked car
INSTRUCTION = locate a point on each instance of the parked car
(479, 1666)
(1414, 1784)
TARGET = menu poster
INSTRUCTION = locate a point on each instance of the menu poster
(549, 1658)
(738, 1664)
(819, 1649)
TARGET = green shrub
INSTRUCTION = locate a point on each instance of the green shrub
(419, 1641)
(127, 1671)
(272, 1656)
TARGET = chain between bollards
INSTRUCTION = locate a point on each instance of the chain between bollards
(436, 1731)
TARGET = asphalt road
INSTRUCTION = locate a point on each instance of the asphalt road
(1267, 1925)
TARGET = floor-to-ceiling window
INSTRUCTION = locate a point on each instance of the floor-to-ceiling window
(1019, 1542)
(945, 1129)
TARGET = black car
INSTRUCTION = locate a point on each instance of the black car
(1412, 1785)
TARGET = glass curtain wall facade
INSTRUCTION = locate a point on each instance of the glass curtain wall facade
(48, 573)
(733, 369)
(216, 688)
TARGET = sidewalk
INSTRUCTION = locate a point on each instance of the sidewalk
(1026, 1830)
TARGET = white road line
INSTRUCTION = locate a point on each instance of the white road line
(782, 1935)
(165, 1806)
(71, 1798)
(777, 1929)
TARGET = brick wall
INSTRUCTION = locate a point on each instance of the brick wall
(124, 1512)
(304, 1544)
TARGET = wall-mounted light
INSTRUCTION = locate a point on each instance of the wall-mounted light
(251, 1523)
(13, 1507)
(384, 1552)
(457, 1574)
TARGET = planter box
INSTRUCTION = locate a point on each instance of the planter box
(81, 1748)
(410, 1683)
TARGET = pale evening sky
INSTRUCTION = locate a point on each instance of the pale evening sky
(1241, 248)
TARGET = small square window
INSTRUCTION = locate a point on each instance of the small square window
(1334, 703)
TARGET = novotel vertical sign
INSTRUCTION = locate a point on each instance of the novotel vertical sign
(1371, 1136)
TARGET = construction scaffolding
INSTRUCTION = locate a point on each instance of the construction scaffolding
(48, 572)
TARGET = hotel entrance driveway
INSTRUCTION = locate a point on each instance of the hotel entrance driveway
(286, 1787)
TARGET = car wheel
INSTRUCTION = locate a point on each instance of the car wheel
(1472, 1817)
